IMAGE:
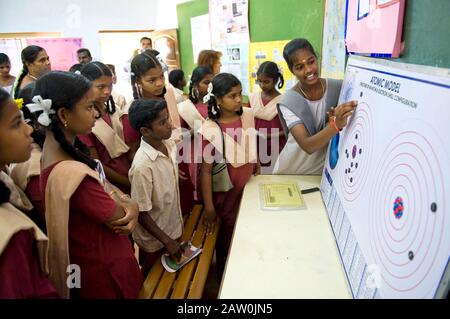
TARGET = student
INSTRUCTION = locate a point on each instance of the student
(76, 68)
(36, 63)
(119, 99)
(267, 122)
(193, 112)
(92, 240)
(178, 81)
(148, 82)
(210, 59)
(303, 113)
(23, 245)
(26, 174)
(112, 132)
(227, 119)
(84, 56)
(6, 79)
(154, 183)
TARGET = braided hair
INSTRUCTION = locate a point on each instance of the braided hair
(198, 75)
(222, 85)
(28, 55)
(271, 70)
(65, 90)
(5, 193)
(140, 65)
(94, 70)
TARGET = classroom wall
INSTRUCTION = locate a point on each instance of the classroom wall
(426, 33)
(84, 18)
(270, 20)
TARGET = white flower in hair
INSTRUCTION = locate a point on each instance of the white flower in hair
(42, 105)
(209, 94)
(78, 72)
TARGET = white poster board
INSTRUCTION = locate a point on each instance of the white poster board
(201, 34)
(386, 180)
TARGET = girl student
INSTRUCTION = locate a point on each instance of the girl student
(26, 174)
(303, 113)
(6, 79)
(86, 217)
(23, 245)
(112, 132)
(35, 64)
(148, 82)
(193, 112)
(234, 125)
(267, 122)
(154, 183)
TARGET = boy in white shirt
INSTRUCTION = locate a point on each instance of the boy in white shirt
(154, 183)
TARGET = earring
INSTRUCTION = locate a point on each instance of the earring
(65, 124)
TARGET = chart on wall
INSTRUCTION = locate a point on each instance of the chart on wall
(386, 181)
(62, 51)
(230, 35)
(269, 51)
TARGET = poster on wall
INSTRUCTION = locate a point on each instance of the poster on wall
(62, 51)
(201, 35)
(377, 32)
(230, 35)
(386, 180)
(269, 51)
(333, 44)
(12, 48)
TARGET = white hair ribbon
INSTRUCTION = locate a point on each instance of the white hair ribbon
(42, 105)
(210, 93)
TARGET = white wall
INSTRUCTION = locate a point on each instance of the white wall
(81, 18)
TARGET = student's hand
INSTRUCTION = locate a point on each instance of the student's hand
(343, 112)
(209, 220)
(257, 169)
(126, 224)
(174, 249)
(182, 175)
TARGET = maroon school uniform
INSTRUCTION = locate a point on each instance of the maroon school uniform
(108, 266)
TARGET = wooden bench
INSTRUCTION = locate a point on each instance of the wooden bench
(190, 280)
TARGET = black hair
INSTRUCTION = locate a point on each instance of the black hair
(4, 190)
(176, 77)
(94, 70)
(112, 68)
(38, 133)
(145, 38)
(65, 89)
(271, 70)
(143, 112)
(222, 85)
(292, 47)
(4, 58)
(140, 65)
(84, 50)
(76, 67)
(198, 75)
(28, 55)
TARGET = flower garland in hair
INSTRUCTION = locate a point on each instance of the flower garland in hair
(19, 103)
(207, 97)
(42, 105)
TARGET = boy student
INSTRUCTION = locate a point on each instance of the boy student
(154, 177)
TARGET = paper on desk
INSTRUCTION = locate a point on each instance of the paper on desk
(281, 196)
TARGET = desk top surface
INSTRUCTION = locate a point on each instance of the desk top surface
(283, 254)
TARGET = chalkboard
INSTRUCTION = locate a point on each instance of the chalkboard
(426, 32)
(269, 21)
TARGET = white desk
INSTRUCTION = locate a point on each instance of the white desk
(283, 254)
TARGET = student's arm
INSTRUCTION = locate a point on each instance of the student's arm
(114, 177)
(311, 144)
(209, 217)
(172, 246)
